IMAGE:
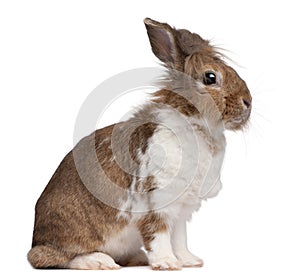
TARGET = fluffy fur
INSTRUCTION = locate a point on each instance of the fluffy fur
(135, 184)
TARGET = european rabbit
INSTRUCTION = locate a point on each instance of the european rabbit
(135, 184)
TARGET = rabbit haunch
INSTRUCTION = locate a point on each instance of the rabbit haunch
(137, 182)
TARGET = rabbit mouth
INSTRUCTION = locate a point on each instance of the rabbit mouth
(238, 123)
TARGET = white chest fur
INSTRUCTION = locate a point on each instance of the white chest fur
(185, 160)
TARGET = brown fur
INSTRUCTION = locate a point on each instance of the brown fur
(149, 225)
(233, 87)
(176, 101)
(69, 220)
(140, 137)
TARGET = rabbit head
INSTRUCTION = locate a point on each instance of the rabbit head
(186, 52)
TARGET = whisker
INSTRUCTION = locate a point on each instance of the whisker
(262, 116)
(245, 142)
(256, 130)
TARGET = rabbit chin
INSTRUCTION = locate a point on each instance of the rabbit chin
(236, 124)
(239, 123)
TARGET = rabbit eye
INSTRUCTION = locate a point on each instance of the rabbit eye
(210, 78)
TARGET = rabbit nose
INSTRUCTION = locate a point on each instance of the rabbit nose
(246, 103)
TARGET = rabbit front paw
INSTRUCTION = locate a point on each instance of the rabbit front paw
(165, 263)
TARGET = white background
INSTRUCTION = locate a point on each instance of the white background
(54, 53)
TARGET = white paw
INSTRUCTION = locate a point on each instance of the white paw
(165, 263)
(94, 261)
(187, 259)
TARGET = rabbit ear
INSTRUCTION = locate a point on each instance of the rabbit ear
(164, 44)
(191, 43)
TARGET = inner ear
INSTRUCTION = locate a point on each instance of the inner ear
(163, 43)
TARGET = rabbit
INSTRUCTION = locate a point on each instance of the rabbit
(123, 195)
